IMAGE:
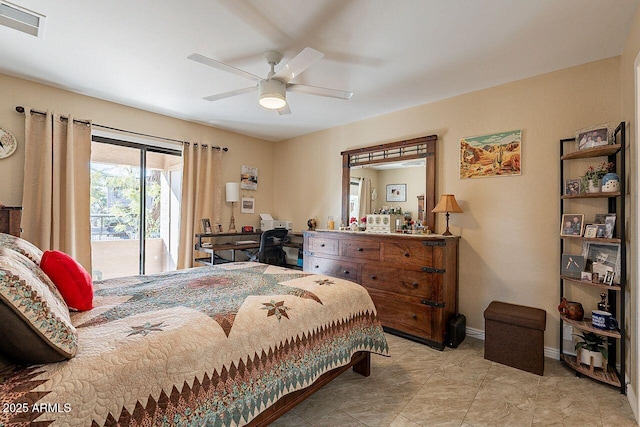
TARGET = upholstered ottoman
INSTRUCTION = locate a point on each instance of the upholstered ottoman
(514, 336)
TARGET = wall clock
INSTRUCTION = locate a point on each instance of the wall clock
(8, 143)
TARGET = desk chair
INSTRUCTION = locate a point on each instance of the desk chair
(271, 251)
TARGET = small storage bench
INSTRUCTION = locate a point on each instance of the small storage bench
(514, 336)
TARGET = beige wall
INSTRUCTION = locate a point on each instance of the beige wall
(629, 61)
(509, 248)
(243, 150)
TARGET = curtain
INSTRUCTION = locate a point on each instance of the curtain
(364, 198)
(56, 190)
(201, 196)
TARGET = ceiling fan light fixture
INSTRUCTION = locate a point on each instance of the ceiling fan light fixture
(272, 94)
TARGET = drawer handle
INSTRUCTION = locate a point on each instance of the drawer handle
(360, 249)
(407, 254)
(414, 316)
(374, 277)
(316, 266)
(345, 272)
(415, 285)
(322, 245)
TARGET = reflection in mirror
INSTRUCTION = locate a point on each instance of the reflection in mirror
(368, 187)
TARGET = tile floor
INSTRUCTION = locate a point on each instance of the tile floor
(420, 386)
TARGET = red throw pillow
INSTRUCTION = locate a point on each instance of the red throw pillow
(71, 279)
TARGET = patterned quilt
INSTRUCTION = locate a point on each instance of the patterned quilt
(205, 346)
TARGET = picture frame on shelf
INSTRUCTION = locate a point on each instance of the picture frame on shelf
(572, 265)
(594, 136)
(610, 224)
(586, 276)
(206, 226)
(599, 218)
(604, 257)
(572, 187)
(602, 230)
(591, 231)
(608, 278)
(572, 224)
(595, 277)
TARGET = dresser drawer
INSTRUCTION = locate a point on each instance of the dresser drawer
(323, 245)
(331, 267)
(407, 282)
(402, 314)
(360, 249)
(413, 253)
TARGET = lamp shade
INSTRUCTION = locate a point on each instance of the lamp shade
(232, 192)
(272, 94)
(447, 203)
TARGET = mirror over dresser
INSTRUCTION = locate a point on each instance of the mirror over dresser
(411, 278)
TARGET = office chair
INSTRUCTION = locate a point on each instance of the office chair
(271, 251)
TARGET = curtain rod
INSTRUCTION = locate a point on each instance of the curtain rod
(20, 109)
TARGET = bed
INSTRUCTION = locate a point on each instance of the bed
(234, 344)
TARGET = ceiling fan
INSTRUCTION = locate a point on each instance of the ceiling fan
(272, 91)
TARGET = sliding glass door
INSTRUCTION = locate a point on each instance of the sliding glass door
(135, 208)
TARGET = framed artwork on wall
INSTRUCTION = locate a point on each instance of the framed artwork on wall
(396, 192)
(496, 154)
(248, 205)
(249, 178)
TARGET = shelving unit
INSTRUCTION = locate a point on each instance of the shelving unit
(615, 203)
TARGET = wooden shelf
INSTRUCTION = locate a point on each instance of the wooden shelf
(595, 285)
(605, 150)
(592, 239)
(598, 195)
(607, 376)
(585, 325)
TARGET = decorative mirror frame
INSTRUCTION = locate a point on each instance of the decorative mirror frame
(417, 148)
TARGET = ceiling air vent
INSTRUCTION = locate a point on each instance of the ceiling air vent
(21, 19)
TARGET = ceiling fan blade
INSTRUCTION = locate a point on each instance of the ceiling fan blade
(320, 91)
(231, 93)
(285, 110)
(222, 66)
(298, 64)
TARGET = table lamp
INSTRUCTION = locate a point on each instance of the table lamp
(447, 204)
(232, 195)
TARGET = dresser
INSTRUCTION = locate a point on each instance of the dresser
(412, 279)
(10, 220)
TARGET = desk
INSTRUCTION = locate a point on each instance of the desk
(232, 246)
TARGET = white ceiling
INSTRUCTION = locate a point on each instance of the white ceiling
(391, 54)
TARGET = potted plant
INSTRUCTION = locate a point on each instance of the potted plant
(592, 346)
(590, 181)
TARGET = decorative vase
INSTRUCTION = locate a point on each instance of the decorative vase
(610, 183)
(586, 355)
(593, 188)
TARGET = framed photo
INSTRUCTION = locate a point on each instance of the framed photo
(591, 231)
(248, 205)
(396, 192)
(572, 224)
(249, 178)
(572, 187)
(608, 278)
(206, 226)
(599, 218)
(609, 225)
(595, 278)
(572, 265)
(604, 257)
(586, 276)
(594, 136)
(602, 230)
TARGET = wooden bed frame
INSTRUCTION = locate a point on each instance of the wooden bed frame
(361, 363)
